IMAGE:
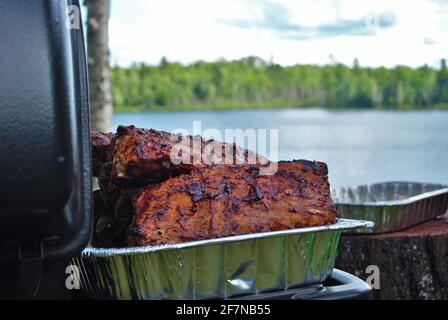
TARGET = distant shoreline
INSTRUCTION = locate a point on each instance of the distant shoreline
(443, 107)
(252, 83)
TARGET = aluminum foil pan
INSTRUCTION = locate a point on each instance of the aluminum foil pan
(214, 269)
(392, 206)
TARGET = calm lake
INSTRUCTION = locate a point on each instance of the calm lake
(358, 146)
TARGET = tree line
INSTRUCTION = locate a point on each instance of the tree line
(253, 82)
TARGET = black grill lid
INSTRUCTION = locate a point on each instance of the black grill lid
(45, 178)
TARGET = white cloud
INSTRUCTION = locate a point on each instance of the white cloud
(187, 31)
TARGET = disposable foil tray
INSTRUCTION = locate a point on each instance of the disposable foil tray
(214, 269)
(392, 206)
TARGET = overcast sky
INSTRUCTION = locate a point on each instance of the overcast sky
(377, 32)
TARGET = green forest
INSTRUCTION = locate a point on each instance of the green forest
(254, 83)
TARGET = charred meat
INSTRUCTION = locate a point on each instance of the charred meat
(222, 201)
(147, 198)
(142, 154)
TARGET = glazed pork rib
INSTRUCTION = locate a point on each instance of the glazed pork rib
(135, 157)
(146, 199)
(142, 154)
(101, 149)
(219, 201)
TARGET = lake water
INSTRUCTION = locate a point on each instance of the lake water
(358, 146)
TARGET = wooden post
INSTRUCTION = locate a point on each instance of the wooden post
(413, 263)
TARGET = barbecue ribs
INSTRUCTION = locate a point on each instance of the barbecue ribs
(145, 198)
(101, 149)
(222, 201)
(141, 154)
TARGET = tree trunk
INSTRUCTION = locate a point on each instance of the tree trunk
(98, 62)
(413, 263)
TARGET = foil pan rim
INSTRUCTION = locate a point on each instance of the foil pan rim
(341, 224)
(425, 195)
